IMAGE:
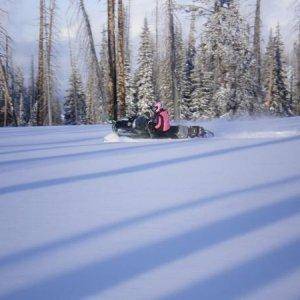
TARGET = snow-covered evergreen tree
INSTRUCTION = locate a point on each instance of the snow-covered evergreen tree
(22, 112)
(202, 98)
(33, 115)
(75, 105)
(145, 81)
(104, 65)
(180, 65)
(189, 81)
(129, 81)
(164, 83)
(56, 111)
(226, 64)
(291, 80)
(165, 72)
(297, 67)
(268, 65)
(277, 97)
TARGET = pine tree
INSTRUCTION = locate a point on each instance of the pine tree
(180, 66)
(157, 68)
(121, 60)
(7, 82)
(49, 72)
(172, 53)
(277, 100)
(189, 83)
(111, 20)
(93, 109)
(297, 67)
(131, 108)
(90, 105)
(93, 63)
(291, 79)
(145, 79)
(165, 83)
(18, 96)
(75, 105)
(130, 105)
(168, 87)
(268, 65)
(41, 85)
(202, 97)
(226, 62)
(104, 66)
(31, 89)
(257, 46)
(56, 111)
(22, 113)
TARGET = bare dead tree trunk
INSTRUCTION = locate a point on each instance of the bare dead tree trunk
(127, 28)
(73, 70)
(49, 47)
(40, 118)
(113, 107)
(298, 73)
(156, 63)
(6, 68)
(32, 87)
(8, 107)
(270, 86)
(257, 46)
(6, 53)
(93, 53)
(172, 42)
(121, 60)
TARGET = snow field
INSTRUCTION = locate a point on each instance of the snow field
(87, 216)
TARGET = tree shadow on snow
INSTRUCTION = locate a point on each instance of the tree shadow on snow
(96, 277)
(49, 148)
(65, 141)
(136, 220)
(81, 155)
(30, 132)
(245, 278)
(133, 169)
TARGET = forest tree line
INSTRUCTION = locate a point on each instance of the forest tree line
(220, 70)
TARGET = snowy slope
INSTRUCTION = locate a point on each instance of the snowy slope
(81, 218)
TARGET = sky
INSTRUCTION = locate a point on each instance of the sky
(23, 21)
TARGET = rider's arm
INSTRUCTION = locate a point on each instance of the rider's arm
(159, 122)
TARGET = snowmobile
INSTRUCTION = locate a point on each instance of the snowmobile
(142, 127)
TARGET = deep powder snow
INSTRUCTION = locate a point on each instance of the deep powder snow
(87, 215)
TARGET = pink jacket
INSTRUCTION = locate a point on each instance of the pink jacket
(163, 121)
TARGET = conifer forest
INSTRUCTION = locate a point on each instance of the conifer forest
(203, 59)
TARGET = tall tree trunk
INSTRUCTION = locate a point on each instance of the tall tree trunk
(73, 70)
(93, 54)
(156, 62)
(6, 78)
(257, 45)
(32, 87)
(298, 73)
(8, 106)
(49, 75)
(40, 118)
(113, 107)
(121, 60)
(172, 41)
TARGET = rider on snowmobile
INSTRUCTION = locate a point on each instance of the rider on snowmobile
(161, 118)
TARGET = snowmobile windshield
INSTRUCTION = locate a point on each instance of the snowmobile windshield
(140, 123)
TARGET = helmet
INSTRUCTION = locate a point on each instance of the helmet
(158, 106)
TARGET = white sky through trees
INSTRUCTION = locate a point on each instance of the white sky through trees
(23, 24)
